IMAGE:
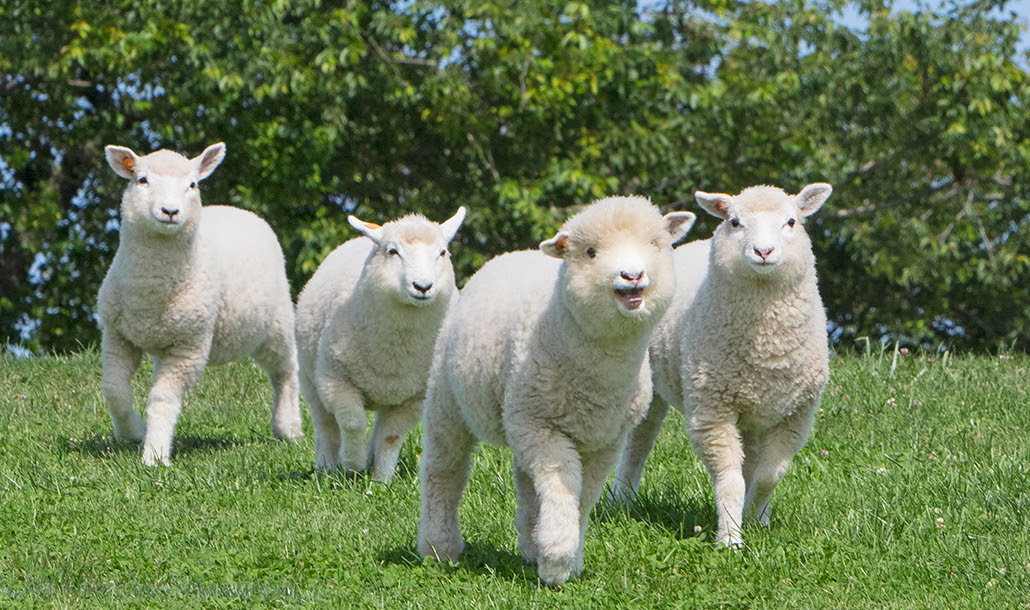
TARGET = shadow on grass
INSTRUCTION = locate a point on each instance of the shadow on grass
(103, 445)
(477, 558)
(664, 508)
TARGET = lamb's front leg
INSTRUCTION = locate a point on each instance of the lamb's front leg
(346, 404)
(173, 376)
(641, 441)
(719, 446)
(443, 473)
(773, 454)
(554, 465)
(391, 427)
(119, 360)
(527, 513)
(596, 467)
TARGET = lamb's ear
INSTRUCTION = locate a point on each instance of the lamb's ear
(208, 160)
(450, 226)
(122, 161)
(369, 229)
(557, 246)
(812, 197)
(677, 224)
(716, 204)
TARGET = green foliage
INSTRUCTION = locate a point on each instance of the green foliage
(910, 494)
(522, 111)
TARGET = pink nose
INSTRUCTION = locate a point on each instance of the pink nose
(632, 277)
(763, 252)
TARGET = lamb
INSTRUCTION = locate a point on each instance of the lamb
(743, 353)
(548, 357)
(366, 324)
(192, 286)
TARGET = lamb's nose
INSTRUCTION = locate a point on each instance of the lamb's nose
(171, 214)
(632, 277)
(423, 288)
(763, 252)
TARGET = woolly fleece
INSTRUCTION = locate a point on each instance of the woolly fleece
(190, 286)
(366, 324)
(743, 354)
(548, 357)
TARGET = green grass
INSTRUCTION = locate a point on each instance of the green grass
(241, 520)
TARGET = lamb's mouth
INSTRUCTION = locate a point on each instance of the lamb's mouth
(419, 299)
(631, 298)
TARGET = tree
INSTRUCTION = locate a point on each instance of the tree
(522, 111)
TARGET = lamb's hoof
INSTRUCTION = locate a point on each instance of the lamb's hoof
(153, 457)
(382, 477)
(441, 550)
(728, 542)
(554, 574)
(135, 431)
(288, 433)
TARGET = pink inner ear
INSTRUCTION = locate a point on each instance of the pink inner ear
(128, 163)
(722, 204)
(372, 225)
(562, 242)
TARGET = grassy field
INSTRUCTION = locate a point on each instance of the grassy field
(912, 493)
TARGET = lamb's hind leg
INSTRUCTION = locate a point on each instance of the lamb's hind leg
(775, 450)
(641, 441)
(119, 360)
(278, 357)
(391, 427)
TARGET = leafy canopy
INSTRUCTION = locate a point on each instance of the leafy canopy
(523, 111)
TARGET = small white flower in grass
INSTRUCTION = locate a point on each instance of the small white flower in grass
(883, 471)
(940, 521)
(937, 511)
(697, 529)
(891, 402)
(368, 492)
(824, 453)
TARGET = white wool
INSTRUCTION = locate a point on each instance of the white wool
(190, 286)
(366, 324)
(744, 352)
(547, 355)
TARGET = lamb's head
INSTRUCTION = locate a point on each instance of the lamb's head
(762, 233)
(617, 260)
(162, 196)
(410, 259)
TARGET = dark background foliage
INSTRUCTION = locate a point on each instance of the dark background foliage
(523, 111)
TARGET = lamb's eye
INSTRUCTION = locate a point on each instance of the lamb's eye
(193, 185)
(142, 180)
(735, 222)
(393, 252)
(592, 252)
(791, 222)
(443, 253)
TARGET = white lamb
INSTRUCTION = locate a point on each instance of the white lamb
(366, 324)
(743, 353)
(548, 357)
(191, 286)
